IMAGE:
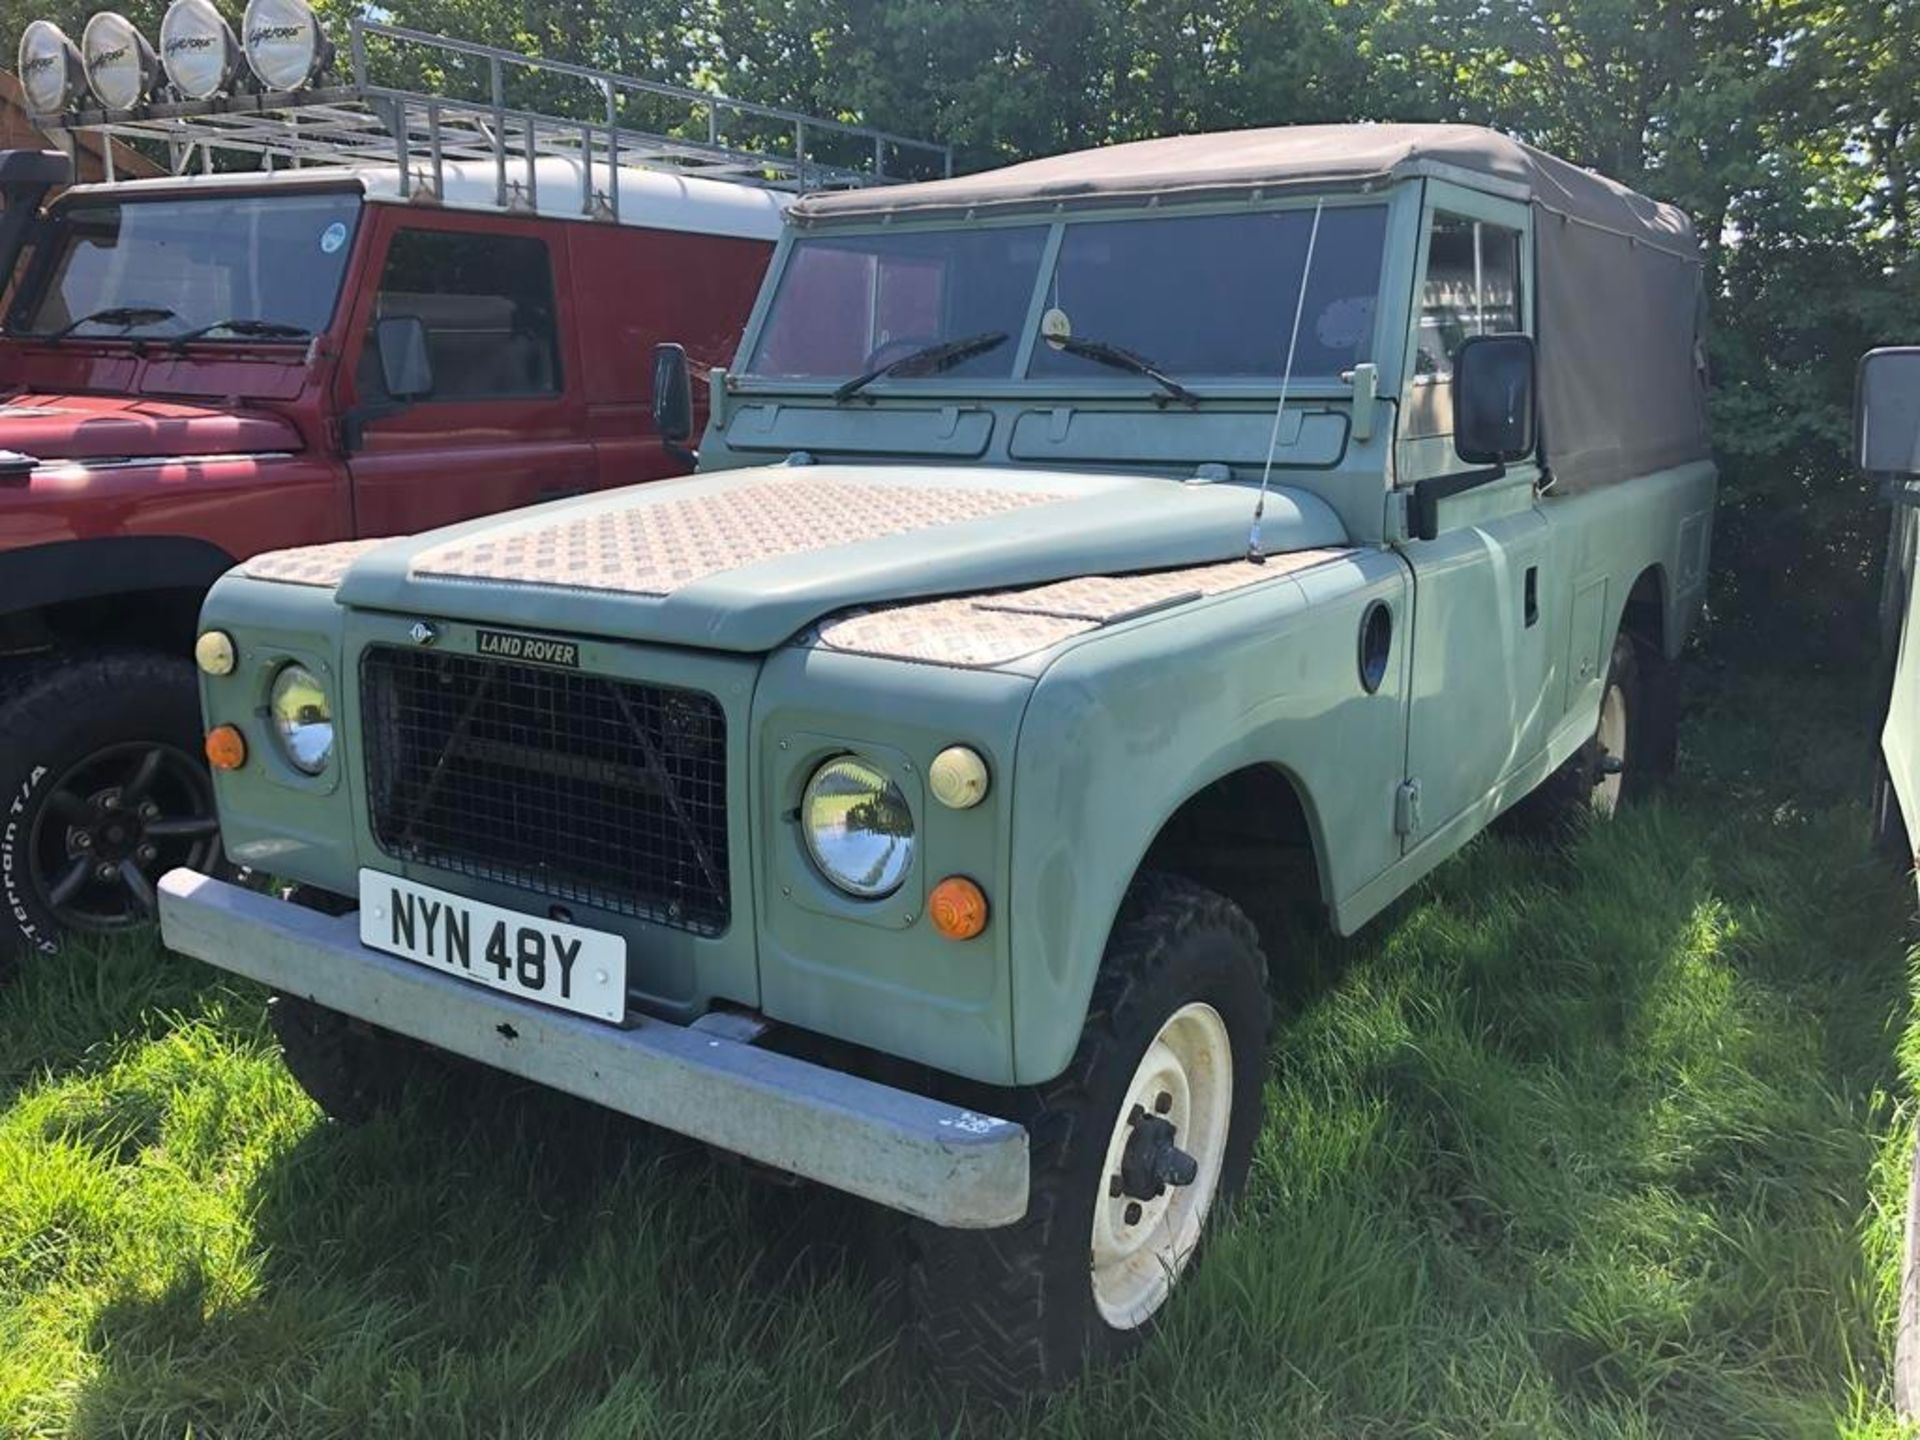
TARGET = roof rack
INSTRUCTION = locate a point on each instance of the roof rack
(481, 106)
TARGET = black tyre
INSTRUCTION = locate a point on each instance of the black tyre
(105, 792)
(351, 1070)
(1632, 746)
(1133, 1150)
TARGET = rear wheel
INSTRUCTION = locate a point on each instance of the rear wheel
(104, 793)
(1133, 1150)
(1630, 748)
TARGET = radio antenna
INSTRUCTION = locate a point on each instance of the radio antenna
(1255, 554)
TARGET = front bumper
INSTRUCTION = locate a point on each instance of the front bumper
(941, 1163)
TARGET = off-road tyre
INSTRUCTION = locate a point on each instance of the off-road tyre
(1009, 1314)
(1568, 797)
(68, 727)
(352, 1070)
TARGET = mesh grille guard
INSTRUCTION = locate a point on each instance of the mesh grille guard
(611, 793)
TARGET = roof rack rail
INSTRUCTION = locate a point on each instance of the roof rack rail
(496, 106)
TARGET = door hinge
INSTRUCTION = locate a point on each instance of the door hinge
(1406, 809)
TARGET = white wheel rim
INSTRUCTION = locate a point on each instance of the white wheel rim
(1611, 742)
(1140, 1246)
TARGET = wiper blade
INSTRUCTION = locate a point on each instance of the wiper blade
(1114, 357)
(251, 329)
(125, 316)
(928, 360)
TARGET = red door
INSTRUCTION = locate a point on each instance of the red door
(505, 424)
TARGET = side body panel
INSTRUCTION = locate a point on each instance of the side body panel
(1125, 727)
(438, 461)
(633, 289)
(1900, 739)
(1604, 540)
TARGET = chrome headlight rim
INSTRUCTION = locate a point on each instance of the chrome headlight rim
(303, 725)
(869, 861)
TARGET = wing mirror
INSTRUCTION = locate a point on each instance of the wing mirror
(1494, 399)
(406, 364)
(673, 401)
(1886, 411)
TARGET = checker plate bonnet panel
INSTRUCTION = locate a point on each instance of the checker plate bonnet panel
(979, 631)
(745, 560)
(658, 549)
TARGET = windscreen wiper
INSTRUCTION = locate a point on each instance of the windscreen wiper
(928, 360)
(125, 316)
(248, 329)
(1101, 353)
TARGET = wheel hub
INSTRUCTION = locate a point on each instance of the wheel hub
(1163, 1165)
(111, 824)
(111, 831)
(1152, 1162)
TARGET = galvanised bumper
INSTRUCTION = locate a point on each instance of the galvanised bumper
(944, 1164)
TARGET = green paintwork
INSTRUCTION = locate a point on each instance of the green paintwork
(1094, 743)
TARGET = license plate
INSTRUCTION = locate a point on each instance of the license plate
(545, 960)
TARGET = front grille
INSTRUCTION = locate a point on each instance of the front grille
(606, 792)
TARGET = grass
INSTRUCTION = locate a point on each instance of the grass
(1607, 1141)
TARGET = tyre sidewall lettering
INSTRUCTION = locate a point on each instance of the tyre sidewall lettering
(15, 842)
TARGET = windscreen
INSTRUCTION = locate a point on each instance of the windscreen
(1208, 296)
(848, 304)
(269, 265)
(1214, 296)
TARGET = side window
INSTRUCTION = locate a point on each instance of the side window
(487, 304)
(1472, 288)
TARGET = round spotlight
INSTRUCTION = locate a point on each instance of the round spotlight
(51, 70)
(198, 49)
(121, 66)
(285, 45)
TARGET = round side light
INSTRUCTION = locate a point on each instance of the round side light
(50, 68)
(198, 49)
(958, 777)
(121, 66)
(284, 43)
(214, 652)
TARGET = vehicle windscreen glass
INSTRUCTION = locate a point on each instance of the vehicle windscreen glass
(848, 304)
(268, 261)
(1214, 296)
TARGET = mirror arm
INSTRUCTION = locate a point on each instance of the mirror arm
(353, 424)
(1428, 493)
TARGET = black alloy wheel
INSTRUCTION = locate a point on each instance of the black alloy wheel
(102, 791)
(113, 824)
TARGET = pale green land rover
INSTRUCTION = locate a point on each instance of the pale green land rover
(1094, 566)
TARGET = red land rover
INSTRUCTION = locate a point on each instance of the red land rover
(421, 309)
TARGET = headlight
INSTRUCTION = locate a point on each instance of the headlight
(857, 827)
(302, 718)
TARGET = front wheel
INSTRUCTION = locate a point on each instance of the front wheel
(104, 792)
(1133, 1150)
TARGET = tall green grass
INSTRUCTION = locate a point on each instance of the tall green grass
(1598, 1140)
